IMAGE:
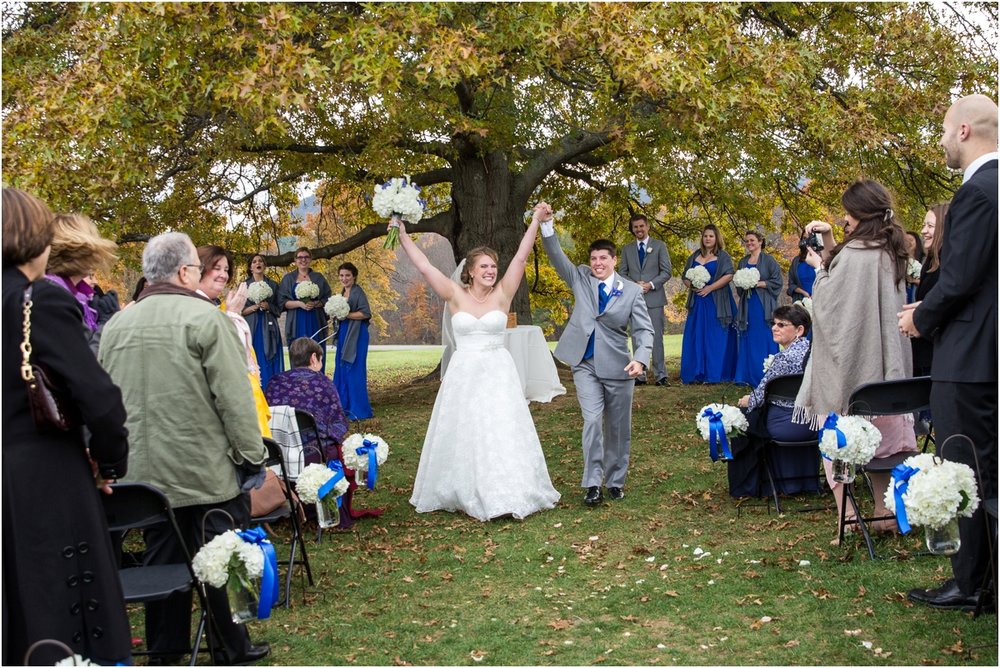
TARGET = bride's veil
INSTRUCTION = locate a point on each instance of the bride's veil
(447, 333)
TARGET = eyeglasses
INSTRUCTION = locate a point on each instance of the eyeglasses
(780, 325)
(199, 267)
(303, 257)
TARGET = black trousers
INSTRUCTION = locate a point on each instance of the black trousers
(168, 622)
(969, 409)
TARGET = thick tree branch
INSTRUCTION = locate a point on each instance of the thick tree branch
(578, 175)
(566, 149)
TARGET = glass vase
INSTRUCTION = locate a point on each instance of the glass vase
(945, 540)
(242, 600)
(327, 513)
(843, 471)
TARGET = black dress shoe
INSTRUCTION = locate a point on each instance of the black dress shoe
(593, 496)
(663, 382)
(640, 381)
(616, 493)
(946, 597)
(253, 655)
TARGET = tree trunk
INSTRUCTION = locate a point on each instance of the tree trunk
(485, 215)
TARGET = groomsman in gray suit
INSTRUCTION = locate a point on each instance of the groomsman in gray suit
(595, 345)
(647, 263)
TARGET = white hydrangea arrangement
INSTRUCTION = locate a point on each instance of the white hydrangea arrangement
(225, 555)
(359, 462)
(312, 478)
(336, 307)
(861, 438)
(746, 278)
(259, 291)
(698, 276)
(398, 198)
(733, 419)
(306, 290)
(913, 269)
(937, 493)
(75, 660)
(807, 304)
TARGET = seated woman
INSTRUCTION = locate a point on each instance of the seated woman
(306, 388)
(799, 468)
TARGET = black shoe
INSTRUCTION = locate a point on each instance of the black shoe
(616, 493)
(663, 382)
(593, 496)
(640, 381)
(946, 597)
(253, 655)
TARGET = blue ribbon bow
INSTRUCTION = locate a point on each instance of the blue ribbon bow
(716, 435)
(337, 467)
(269, 580)
(369, 449)
(831, 423)
(901, 475)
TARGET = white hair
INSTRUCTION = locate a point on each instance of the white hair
(164, 256)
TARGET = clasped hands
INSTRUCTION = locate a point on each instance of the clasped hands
(906, 324)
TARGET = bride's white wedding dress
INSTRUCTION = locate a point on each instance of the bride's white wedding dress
(481, 454)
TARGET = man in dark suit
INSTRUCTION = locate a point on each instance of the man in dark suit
(960, 315)
(647, 263)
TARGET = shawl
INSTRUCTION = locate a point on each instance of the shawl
(770, 273)
(286, 293)
(314, 392)
(272, 332)
(856, 338)
(722, 296)
(358, 301)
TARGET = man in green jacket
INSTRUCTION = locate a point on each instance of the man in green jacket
(193, 429)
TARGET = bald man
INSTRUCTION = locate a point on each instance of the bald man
(960, 315)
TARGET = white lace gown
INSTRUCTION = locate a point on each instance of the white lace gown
(481, 454)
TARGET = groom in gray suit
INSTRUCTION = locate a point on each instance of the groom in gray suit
(647, 263)
(595, 345)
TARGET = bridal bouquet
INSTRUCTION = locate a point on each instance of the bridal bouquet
(849, 439)
(365, 454)
(746, 278)
(398, 199)
(714, 422)
(336, 307)
(259, 291)
(698, 276)
(306, 290)
(913, 269)
(931, 492)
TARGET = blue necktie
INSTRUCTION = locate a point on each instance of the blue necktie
(602, 303)
(642, 253)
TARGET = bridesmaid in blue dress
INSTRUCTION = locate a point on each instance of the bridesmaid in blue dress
(756, 306)
(800, 275)
(351, 373)
(263, 320)
(708, 350)
(304, 318)
(915, 249)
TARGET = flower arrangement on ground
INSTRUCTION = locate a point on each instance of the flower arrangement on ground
(746, 278)
(259, 291)
(336, 307)
(237, 561)
(698, 276)
(365, 453)
(398, 199)
(306, 290)
(931, 492)
(323, 486)
(849, 438)
(715, 422)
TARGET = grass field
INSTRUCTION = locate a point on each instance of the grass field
(676, 573)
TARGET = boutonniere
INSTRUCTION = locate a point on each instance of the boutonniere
(617, 290)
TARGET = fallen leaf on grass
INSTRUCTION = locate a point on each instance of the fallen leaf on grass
(561, 624)
(407, 579)
(760, 622)
(852, 632)
(671, 593)
(792, 643)
(957, 648)
(477, 655)
(399, 662)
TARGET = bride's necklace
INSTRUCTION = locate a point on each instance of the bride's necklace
(477, 299)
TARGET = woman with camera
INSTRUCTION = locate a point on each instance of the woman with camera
(800, 275)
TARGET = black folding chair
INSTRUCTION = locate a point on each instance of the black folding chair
(136, 505)
(785, 388)
(891, 397)
(290, 510)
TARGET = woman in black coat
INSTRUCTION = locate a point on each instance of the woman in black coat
(60, 577)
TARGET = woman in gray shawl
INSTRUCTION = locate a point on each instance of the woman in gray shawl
(351, 373)
(755, 308)
(262, 317)
(708, 350)
(859, 288)
(304, 316)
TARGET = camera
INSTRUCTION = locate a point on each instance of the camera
(814, 241)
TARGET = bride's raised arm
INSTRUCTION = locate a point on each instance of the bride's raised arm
(515, 270)
(443, 286)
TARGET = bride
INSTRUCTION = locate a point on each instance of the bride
(481, 454)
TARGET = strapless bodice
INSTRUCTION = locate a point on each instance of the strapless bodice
(474, 334)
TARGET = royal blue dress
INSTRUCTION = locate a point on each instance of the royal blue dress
(268, 367)
(807, 276)
(755, 343)
(708, 350)
(307, 323)
(351, 378)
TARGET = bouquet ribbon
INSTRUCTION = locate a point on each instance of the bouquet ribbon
(369, 449)
(831, 423)
(716, 435)
(900, 482)
(269, 580)
(338, 474)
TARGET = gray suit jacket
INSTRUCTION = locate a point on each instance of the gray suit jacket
(656, 269)
(611, 354)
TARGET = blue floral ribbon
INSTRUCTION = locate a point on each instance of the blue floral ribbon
(337, 467)
(900, 483)
(369, 449)
(269, 579)
(717, 435)
(831, 423)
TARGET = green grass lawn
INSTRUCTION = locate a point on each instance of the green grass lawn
(674, 574)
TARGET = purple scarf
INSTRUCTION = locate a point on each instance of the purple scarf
(83, 293)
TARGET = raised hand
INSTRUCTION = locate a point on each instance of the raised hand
(542, 212)
(237, 299)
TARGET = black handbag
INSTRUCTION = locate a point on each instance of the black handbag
(48, 402)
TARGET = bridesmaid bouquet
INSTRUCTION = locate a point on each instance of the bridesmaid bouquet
(306, 290)
(365, 454)
(931, 492)
(715, 422)
(849, 438)
(698, 276)
(398, 199)
(259, 291)
(913, 269)
(746, 278)
(807, 304)
(336, 307)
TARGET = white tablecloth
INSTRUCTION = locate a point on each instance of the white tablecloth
(535, 367)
